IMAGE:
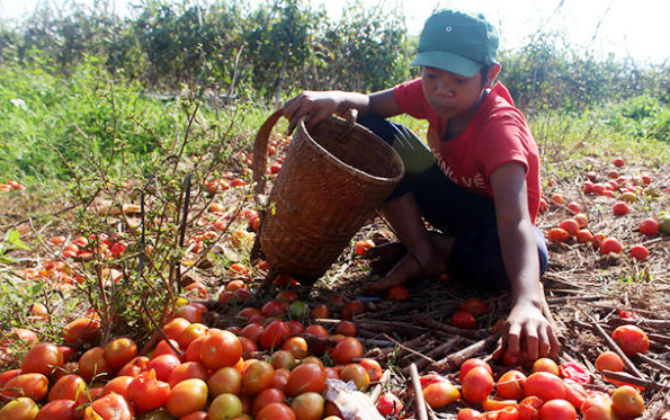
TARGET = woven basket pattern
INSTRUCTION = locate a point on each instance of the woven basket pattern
(330, 183)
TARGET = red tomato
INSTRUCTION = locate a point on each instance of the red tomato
(584, 236)
(31, 385)
(618, 162)
(569, 225)
(347, 328)
(545, 386)
(68, 387)
(297, 346)
(187, 370)
(274, 335)
(474, 306)
(43, 358)
(609, 360)
(529, 408)
(620, 208)
(649, 226)
(398, 293)
(389, 405)
(559, 234)
(574, 207)
(610, 245)
(463, 319)
(558, 410)
(265, 397)
(477, 384)
(631, 339)
(92, 364)
(468, 414)
(639, 252)
(147, 393)
(276, 411)
(163, 365)
(273, 308)
(56, 409)
(346, 350)
(118, 385)
(134, 367)
(175, 328)
(469, 364)
(221, 348)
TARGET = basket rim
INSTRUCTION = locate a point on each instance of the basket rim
(355, 171)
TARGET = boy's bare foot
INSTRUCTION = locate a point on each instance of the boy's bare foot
(406, 269)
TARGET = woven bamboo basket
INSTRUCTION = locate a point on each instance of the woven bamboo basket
(332, 180)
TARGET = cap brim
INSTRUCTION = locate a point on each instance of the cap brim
(447, 61)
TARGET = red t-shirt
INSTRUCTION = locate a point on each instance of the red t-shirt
(497, 134)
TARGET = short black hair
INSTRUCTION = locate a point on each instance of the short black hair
(484, 71)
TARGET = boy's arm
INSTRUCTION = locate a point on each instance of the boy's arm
(320, 105)
(527, 333)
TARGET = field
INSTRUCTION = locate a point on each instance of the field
(124, 208)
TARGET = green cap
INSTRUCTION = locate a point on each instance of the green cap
(458, 42)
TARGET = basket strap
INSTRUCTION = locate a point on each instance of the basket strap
(260, 162)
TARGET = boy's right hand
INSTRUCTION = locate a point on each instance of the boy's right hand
(315, 105)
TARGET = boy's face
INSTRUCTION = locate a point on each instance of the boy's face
(451, 95)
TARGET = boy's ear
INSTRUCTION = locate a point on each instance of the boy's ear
(494, 71)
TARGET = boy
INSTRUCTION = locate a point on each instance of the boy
(478, 182)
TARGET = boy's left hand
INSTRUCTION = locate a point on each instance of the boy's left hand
(527, 335)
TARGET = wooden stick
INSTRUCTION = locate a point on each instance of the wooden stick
(377, 391)
(429, 322)
(654, 362)
(438, 352)
(630, 379)
(455, 359)
(418, 393)
(630, 365)
(408, 349)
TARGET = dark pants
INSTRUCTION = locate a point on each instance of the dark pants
(476, 256)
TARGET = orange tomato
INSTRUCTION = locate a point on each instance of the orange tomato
(545, 364)
(265, 397)
(308, 377)
(257, 377)
(276, 411)
(356, 373)
(631, 339)
(627, 402)
(120, 351)
(68, 387)
(308, 406)
(510, 385)
(439, 394)
(186, 397)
